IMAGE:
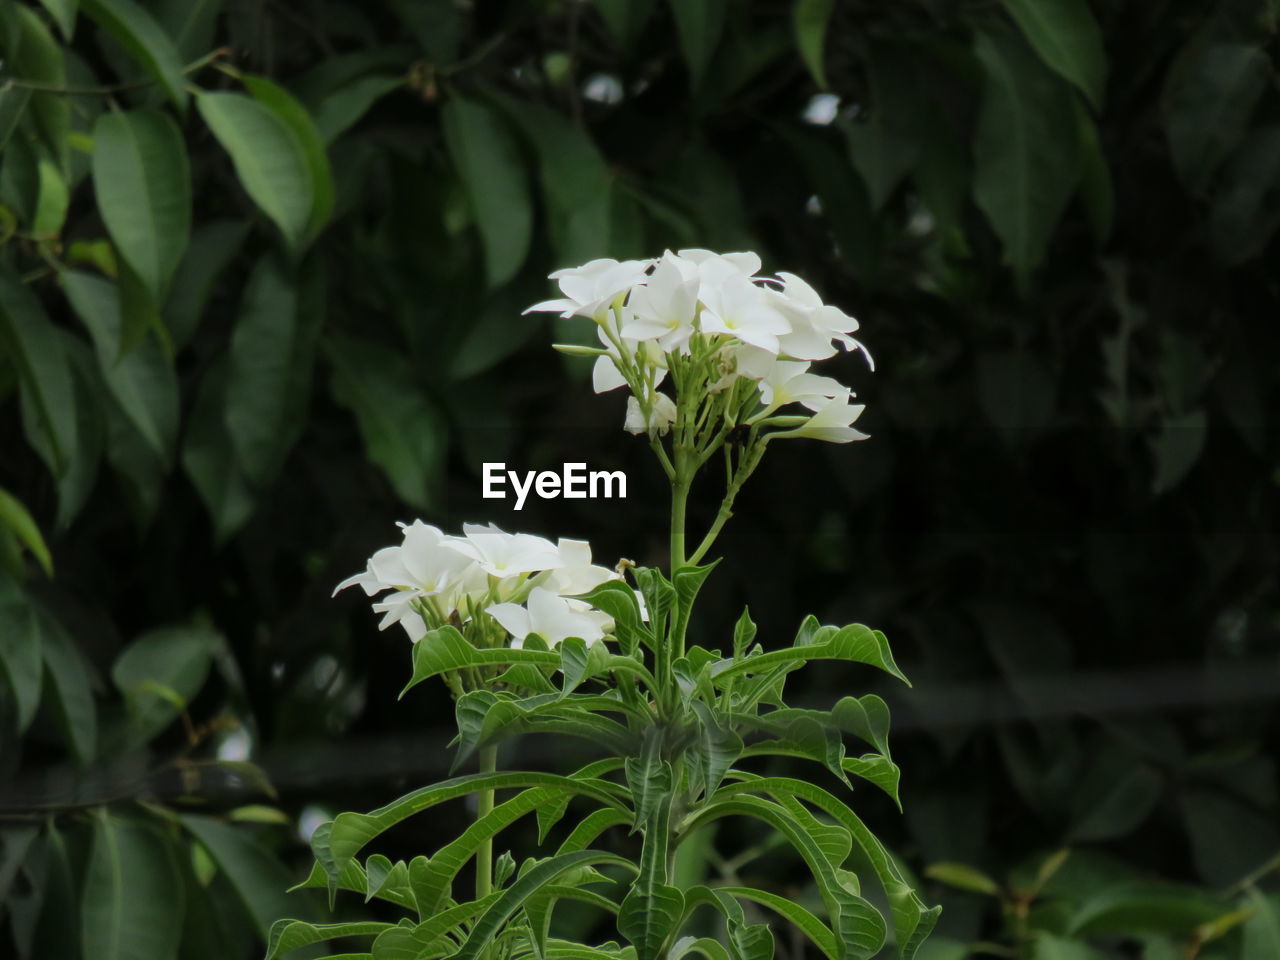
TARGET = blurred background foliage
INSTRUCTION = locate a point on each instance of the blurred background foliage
(261, 273)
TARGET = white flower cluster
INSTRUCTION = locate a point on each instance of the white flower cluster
(699, 303)
(523, 582)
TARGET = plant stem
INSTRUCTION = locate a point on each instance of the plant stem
(745, 468)
(484, 806)
(679, 500)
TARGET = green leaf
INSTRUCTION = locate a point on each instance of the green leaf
(1209, 95)
(625, 19)
(912, 923)
(269, 381)
(142, 181)
(750, 941)
(258, 878)
(699, 26)
(1246, 206)
(962, 877)
(343, 107)
(66, 686)
(174, 660)
(213, 246)
(809, 19)
(143, 380)
(269, 159)
(52, 199)
(886, 145)
(1262, 929)
(303, 127)
(1047, 946)
(13, 106)
(855, 642)
(1025, 155)
(39, 58)
(1067, 37)
(488, 161)
(446, 649)
(1096, 189)
(15, 517)
(577, 184)
(288, 935)
(435, 888)
(1138, 908)
(652, 907)
(1176, 448)
(209, 459)
(813, 928)
(403, 430)
(1115, 798)
(31, 340)
(145, 41)
(512, 898)
(351, 831)
(20, 651)
(131, 870)
(1016, 393)
(859, 929)
(64, 15)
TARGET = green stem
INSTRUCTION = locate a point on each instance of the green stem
(745, 469)
(484, 806)
(679, 502)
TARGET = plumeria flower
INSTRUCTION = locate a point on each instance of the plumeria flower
(789, 382)
(712, 268)
(552, 617)
(662, 414)
(815, 326)
(591, 289)
(578, 574)
(737, 307)
(501, 554)
(607, 373)
(663, 310)
(831, 421)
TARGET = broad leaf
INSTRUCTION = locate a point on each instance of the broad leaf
(142, 381)
(488, 160)
(1025, 154)
(301, 124)
(699, 26)
(146, 42)
(269, 379)
(131, 868)
(269, 159)
(142, 181)
(809, 19)
(1068, 39)
(20, 645)
(258, 878)
(161, 672)
(1209, 95)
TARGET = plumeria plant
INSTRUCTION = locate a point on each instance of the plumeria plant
(531, 637)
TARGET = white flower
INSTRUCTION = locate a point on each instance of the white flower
(788, 382)
(712, 268)
(662, 414)
(501, 554)
(814, 325)
(738, 307)
(591, 289)
(552, 617)
(663, 309)
(606, 375)
(578, 574)
(830, 421)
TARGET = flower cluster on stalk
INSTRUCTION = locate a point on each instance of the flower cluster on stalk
(496, 587)
(736, 347)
